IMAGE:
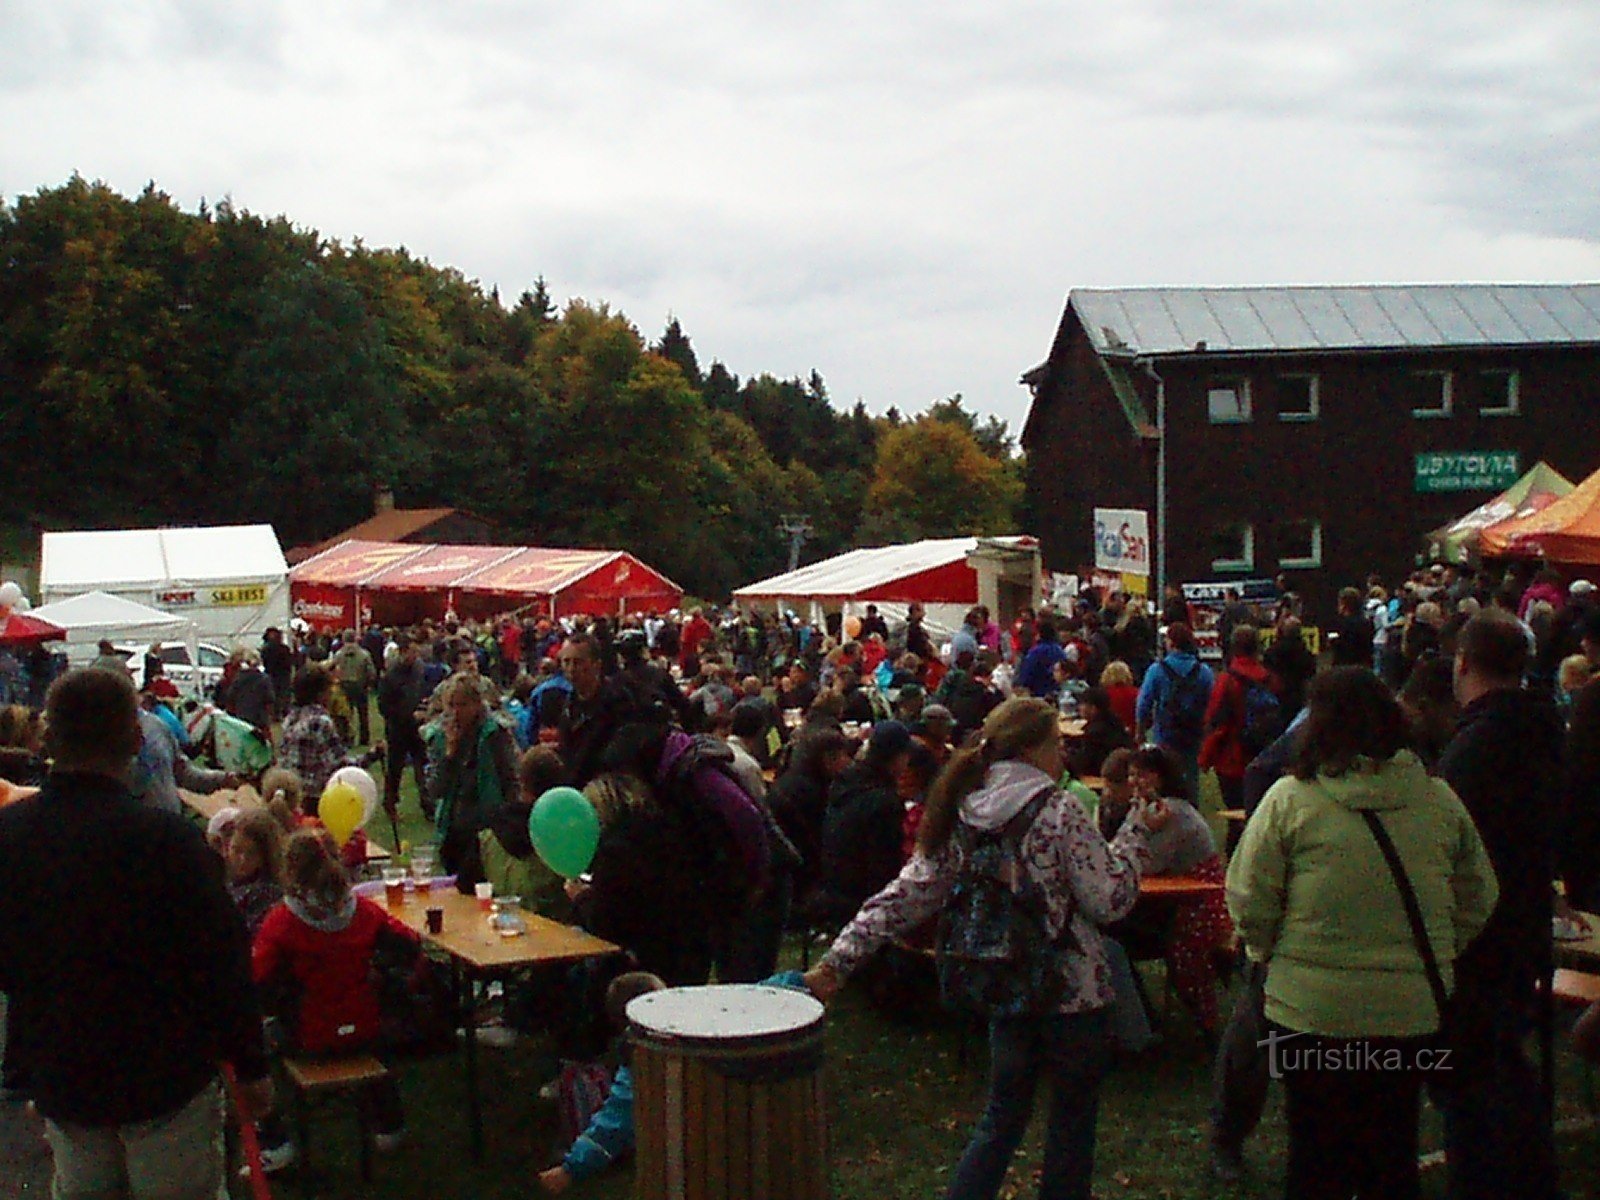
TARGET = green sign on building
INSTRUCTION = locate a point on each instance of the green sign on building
(1468, 471)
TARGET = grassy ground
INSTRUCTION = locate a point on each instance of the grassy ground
(901, 1104)
(901, 1107)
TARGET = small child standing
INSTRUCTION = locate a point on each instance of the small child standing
(321, 941)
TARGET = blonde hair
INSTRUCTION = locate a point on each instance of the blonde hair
(1015, 726)
(284, 793)
(1116, 674)
(1575, 672)
(616, 793)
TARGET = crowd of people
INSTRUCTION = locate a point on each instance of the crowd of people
(1406, 807)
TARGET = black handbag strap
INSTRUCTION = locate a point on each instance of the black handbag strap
(1408, 897)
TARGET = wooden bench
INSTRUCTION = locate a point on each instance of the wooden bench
(314, 1078)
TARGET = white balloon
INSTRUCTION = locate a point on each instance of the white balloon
(24, 604)
(363, 782)
(10, 593)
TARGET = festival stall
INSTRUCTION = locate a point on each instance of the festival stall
(357, 583)
(1567, 532)
(87, 619)
(941, 574)
(229, 582)
(27, 629)
(1460, 540)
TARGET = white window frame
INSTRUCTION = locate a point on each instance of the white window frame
(1240, 387)
(1446, 380)
(1315, 559)
(1248, 562)
(1513, 379)
(1314, 388)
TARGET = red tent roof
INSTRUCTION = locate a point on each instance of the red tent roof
(20, 628)
(597, 575)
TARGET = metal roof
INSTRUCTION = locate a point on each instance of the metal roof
(1149, 321)
(857, 571)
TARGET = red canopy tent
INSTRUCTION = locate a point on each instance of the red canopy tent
(356, 583)
(20, 629)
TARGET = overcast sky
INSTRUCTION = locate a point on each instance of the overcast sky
(896, 194)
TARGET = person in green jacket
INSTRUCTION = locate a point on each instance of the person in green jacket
(1349, 1009)
(474, 776)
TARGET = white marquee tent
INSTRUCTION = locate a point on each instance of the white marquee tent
(93, 616)
(227, 581)
(938, 573)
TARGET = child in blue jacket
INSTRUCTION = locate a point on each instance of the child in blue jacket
(609, 1136)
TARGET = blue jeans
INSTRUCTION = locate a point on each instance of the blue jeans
(1073, 1050)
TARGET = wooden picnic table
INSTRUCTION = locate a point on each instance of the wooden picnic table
(1177, 885)
(1235, 814)
(479, 952)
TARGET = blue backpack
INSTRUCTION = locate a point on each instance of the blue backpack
(1263, 715)
(1183, 708)
(996, 956)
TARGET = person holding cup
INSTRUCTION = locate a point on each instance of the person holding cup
(475, 777)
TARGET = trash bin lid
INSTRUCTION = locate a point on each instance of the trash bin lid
(725, 1013)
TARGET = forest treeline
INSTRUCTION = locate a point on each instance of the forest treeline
(159, 366)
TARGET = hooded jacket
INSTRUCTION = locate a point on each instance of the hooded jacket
(1086, 881)
(1224, 750)
(1155, 712)
(1313, 898)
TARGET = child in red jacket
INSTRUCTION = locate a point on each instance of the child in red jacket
(320, 943)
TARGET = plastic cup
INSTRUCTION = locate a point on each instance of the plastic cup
(436, 920)
(485, 894)
(394, 886)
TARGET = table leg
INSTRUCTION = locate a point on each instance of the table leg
(469, 1029)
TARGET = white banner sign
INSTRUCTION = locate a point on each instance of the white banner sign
(1122, 540)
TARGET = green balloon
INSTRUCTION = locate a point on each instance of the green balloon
(565, 831)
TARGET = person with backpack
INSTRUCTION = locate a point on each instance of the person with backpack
(1244, 715)
(1173, 700)
(1023, 879)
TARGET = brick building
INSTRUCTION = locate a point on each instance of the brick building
(1316, 431)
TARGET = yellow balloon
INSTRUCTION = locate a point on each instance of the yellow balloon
(342, 811)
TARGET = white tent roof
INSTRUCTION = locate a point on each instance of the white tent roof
(97, 613)
(858, 571)
(140, 558)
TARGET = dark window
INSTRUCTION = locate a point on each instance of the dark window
(1501, 393)
(1431, 393)
(1300, 544)
(1233, 547)
(1298, 397)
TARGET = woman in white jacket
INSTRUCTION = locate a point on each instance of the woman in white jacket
(1002, 785)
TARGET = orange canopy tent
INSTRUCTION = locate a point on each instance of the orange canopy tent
(1566, 532)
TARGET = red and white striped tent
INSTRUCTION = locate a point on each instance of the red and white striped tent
(392, 583)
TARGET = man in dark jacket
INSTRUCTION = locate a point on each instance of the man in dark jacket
(401, 691)
(1505, 764)
(1351, 632)
(277, 660)
(861, 835)
(594, 711)
(126, 965)
(1580, 838)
